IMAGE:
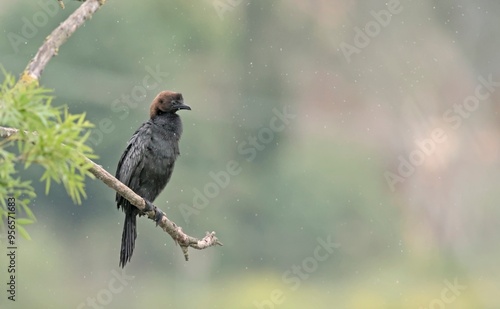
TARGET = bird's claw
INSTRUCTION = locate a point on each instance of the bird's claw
(149, 206)
(158, 216)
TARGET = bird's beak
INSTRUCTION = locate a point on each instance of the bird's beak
(183, 106)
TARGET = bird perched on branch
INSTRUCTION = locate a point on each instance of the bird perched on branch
(148, 161)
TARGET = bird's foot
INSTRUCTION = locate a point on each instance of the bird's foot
(150, 207)
(158, 216)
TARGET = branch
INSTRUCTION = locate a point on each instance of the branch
(7, 132)
(185, 241)
(33, 72)
(52, 43)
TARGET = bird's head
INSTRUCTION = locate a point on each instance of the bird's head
(167, 102)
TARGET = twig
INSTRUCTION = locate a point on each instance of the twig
(52, 43)
(185, 241)
(7, 132)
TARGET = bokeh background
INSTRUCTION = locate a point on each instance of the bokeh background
(420, 234)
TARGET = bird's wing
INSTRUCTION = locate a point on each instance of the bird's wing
(131, 162)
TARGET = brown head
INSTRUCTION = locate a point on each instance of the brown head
(167, 102)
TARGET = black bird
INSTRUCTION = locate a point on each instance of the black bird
(148, 161)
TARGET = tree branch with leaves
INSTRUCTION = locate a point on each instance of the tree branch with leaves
(52, 138)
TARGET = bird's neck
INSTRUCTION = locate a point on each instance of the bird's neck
(168, 121)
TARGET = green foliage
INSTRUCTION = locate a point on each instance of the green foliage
(48, 136)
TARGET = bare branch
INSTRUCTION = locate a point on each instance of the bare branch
(6, 132)
(52, 43)
(185, 241)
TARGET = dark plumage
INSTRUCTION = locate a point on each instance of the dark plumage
(148, 161)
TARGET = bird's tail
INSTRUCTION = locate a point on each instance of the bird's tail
(128, 239)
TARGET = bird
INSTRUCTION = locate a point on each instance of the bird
(147, 163)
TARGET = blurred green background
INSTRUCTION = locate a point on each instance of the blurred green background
(364, 87)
